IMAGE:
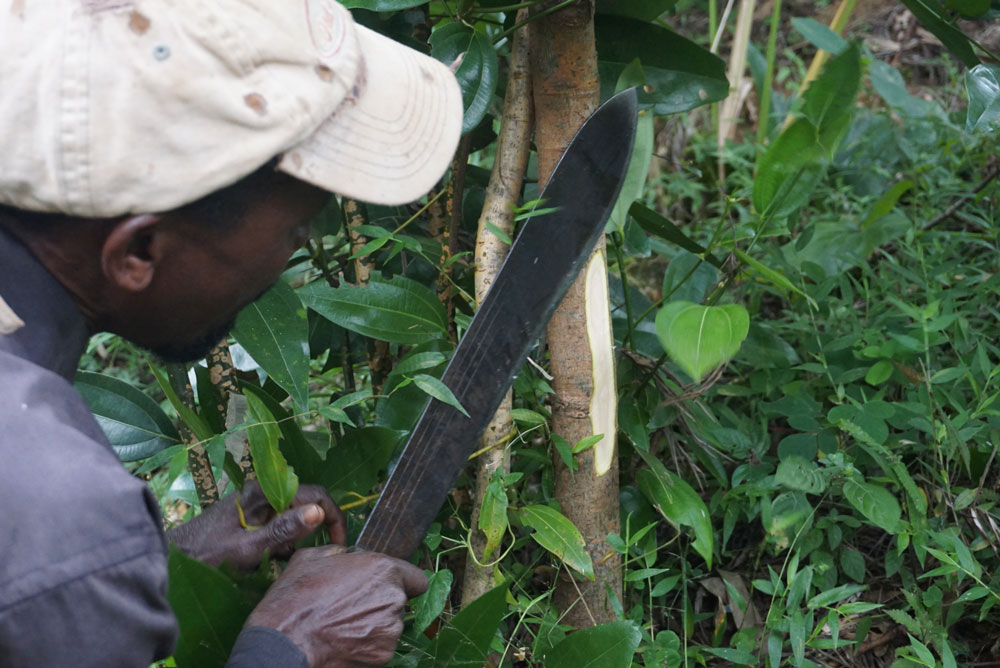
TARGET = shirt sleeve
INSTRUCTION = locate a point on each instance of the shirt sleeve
(263, 647)
(117, 616)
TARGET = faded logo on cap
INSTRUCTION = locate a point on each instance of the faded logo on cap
(326, 25)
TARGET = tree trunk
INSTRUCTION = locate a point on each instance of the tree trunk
(502, 194)
(566, 92)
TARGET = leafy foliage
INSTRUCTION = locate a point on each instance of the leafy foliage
(810, 469)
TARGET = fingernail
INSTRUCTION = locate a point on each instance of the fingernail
(312, 514)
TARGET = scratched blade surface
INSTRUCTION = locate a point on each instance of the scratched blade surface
(546, 257)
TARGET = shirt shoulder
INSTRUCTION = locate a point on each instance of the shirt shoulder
(70, 507)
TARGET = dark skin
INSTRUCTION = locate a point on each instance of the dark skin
(170, 282)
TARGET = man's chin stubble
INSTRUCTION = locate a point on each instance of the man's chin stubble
(194, 350)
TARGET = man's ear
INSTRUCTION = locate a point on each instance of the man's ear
(132, 251)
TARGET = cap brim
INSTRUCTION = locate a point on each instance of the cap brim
(395, 133)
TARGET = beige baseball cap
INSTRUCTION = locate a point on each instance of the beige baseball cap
(110, 107)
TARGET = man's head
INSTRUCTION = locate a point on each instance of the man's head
(174, 282)
(129, 122)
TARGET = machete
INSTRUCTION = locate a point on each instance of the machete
(547, 255)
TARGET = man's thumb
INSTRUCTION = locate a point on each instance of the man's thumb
(293, 525)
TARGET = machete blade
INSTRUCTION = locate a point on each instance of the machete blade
(546, 257)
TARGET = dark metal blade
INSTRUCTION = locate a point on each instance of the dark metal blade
(546, 257)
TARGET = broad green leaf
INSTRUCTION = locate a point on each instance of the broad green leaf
(428, 606)
(982, 83)
(891, 87)
(477, 74)
(493, 513)
(642, 153)
(657, 225)
(277, 480)
(135, 424)
(439, 391)
(700, 338)
(465, 641)
(933, 17)
(354, 463)
(831, 96)
(789, 170)
(876, 503)
(275, 332)
(680, 75)
(526, 416)
(210, 611)
(678, 502)
(644, 10)
(879, 372)
(852, 563)
(399, 310)
(968, 7)
(559, 536)
(819, 35)
(610, 645)
(799, 473)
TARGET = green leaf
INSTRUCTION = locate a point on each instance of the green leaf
(559, 536)
(773, 277)
(831, 596)
(525, 416)
(887, 201)
(657, 225)
(678, 502)
(493, 513)
(796, 472)
(210, 611)
(831, 96)
(354, 463)
(876, 503)
(399, 311)
(644, 10)
(700, 338)
(879, 372)
(439, 391)
(852, 563)
(932, 15)
(968, 7)
(642, 153)
(465, 641)
(428, 606)
(680, 75)
(610, 645)
(277, 480)
(477, 75)
(982, 83)
(135, 424)
(819, 35)
(738, 657)
(198, 426)
(587, 442)
(275, 332)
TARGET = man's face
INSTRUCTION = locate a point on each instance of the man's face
(212, 271)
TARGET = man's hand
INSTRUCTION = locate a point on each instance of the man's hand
(218, 535)
(343, 609)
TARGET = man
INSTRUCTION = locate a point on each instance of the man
(159, 161)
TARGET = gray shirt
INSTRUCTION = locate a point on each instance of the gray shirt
(83, 568)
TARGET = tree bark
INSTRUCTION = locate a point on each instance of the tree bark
(502, 194)
(566, 91)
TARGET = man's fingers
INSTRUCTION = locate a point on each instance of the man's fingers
(413, 579)
(336, 523)
(290, 526)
